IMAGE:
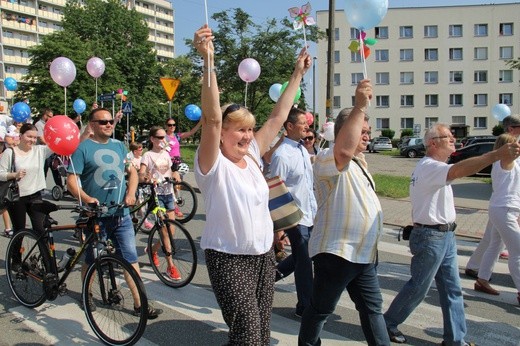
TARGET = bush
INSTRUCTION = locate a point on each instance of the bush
(498, 130)
(406, 132)
(387, 133)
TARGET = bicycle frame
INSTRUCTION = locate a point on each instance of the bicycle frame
(152, 207)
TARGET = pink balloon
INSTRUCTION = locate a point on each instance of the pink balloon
(95, 67)
(310, 118)
(63, 71)
(249, 70)
(61, 134)
(119, 91)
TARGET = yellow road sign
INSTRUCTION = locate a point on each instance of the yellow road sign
(170, 86)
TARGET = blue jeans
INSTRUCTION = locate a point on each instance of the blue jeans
(434, 256)
(120, 230)
(332, 275)
(300, 263)
(166, 201)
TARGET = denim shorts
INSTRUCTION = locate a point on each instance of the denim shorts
(121, 232)
(166, 201)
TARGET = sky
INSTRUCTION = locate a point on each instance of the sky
(190, 14)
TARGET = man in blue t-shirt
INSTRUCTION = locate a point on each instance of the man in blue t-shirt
(96, 175)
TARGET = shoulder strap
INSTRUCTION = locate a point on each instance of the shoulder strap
(364, 173)
(13, 168)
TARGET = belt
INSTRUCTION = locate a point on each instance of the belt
(448, 227)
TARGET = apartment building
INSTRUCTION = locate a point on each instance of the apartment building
(430, 64)
(25, 22)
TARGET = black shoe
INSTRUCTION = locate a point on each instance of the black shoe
(152, 312)
(471, 273)
(396, 336)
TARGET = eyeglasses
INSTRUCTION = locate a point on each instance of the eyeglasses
(159, 137)
(172, 124)
(441, 137)
(139, 149)
(310, 138)
(366, 133)
(514, 126)
(230, 109)
(104, 122)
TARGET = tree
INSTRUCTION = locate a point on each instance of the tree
(274, 46)
(108, 30)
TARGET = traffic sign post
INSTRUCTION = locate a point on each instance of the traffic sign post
(107, 97)
(127, 107)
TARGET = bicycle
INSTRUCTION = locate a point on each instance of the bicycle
(183, 252)
(185, 196)
(110, 288)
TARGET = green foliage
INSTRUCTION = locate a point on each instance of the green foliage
(497, 130)
(388, 133)
(406, 132)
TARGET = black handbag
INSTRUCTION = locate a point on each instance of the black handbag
(9, 190)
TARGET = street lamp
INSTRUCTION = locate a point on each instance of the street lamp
(314, 92)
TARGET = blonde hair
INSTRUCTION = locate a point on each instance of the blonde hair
(240, 116)
(504, 139)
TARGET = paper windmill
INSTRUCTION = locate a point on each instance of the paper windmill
(362, 41)
(301, 18)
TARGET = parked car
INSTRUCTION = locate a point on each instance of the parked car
(407, 140)
(379, 144)
(477, 139)
(415, 150)
(472, 151)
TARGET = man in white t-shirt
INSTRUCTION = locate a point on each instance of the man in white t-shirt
(432, 241)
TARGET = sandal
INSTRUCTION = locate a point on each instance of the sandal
(8, 232)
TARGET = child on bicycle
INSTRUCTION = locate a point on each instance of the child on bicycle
(156, 168)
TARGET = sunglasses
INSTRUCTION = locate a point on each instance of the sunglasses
(159, 137)
(104, 122)
(310, 138)
(139, 149)
(230, 109)
(172, 124)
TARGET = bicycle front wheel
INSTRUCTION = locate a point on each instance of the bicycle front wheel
(183, 254)
(109, 288)
(27, 263)
(186, 201)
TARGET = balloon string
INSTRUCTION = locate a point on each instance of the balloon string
(78, 181)
(245, 97)
(209, 61)
(65, 89)
(95, 101)
(362, 51)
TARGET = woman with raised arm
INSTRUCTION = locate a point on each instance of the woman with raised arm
(238, 235)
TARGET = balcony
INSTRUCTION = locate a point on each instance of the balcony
(163, 28)
(17, 76)
(164, 41)
(59, 3)
(44, 30)
(163, 15)
(7, 6)
(17, 42)
(11, 24)
(164, 53)
(16, 60)
(146, 11)
(56, 17)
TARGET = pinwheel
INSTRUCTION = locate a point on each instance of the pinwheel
(301, 18)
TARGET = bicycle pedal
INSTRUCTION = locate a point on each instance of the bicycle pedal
(63, 289)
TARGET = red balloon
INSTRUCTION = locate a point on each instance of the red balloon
(310, 118)
(61, 135)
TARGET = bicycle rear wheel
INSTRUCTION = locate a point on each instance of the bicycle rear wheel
(183, 253)
(108, 299)
(186, 200)
(27, 263)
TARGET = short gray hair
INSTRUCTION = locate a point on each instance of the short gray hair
(434, 131)
(342, 116)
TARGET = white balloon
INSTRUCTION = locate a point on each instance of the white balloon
(275, 91)
(328, 131)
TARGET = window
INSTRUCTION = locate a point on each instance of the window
(429, 121)
(406, 77)
(480, 77)
(431, 100)
(337, 102)
(406, 32)
(8, 52)
(407, 123)
(455, 100)
(354, 34)
(337, 78)
(383, 101)
(381, 31)
(506, 29)
(406, 54)
(336, 57)
(506, 52)
(480, 53)
(382, 78)
(458, 119)
(431, 77)
(455, 76)
(43, 24)
(336, 34)
(356, 77)
(382, 123)
(381, 54)
(481, 30)
(505, 76)
(430, 31)
(480, 122)
(506, 98)
(455, 53)
(455, 30)
(431, 54)
(480, 100)
(10, 69)
(355, 57)
(8, 34)
(406, 100)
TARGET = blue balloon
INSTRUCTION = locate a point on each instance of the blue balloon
(20, 112)
(365, 14)
(193, 112)
(79, 106)
(10, 84)
(500, 111)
